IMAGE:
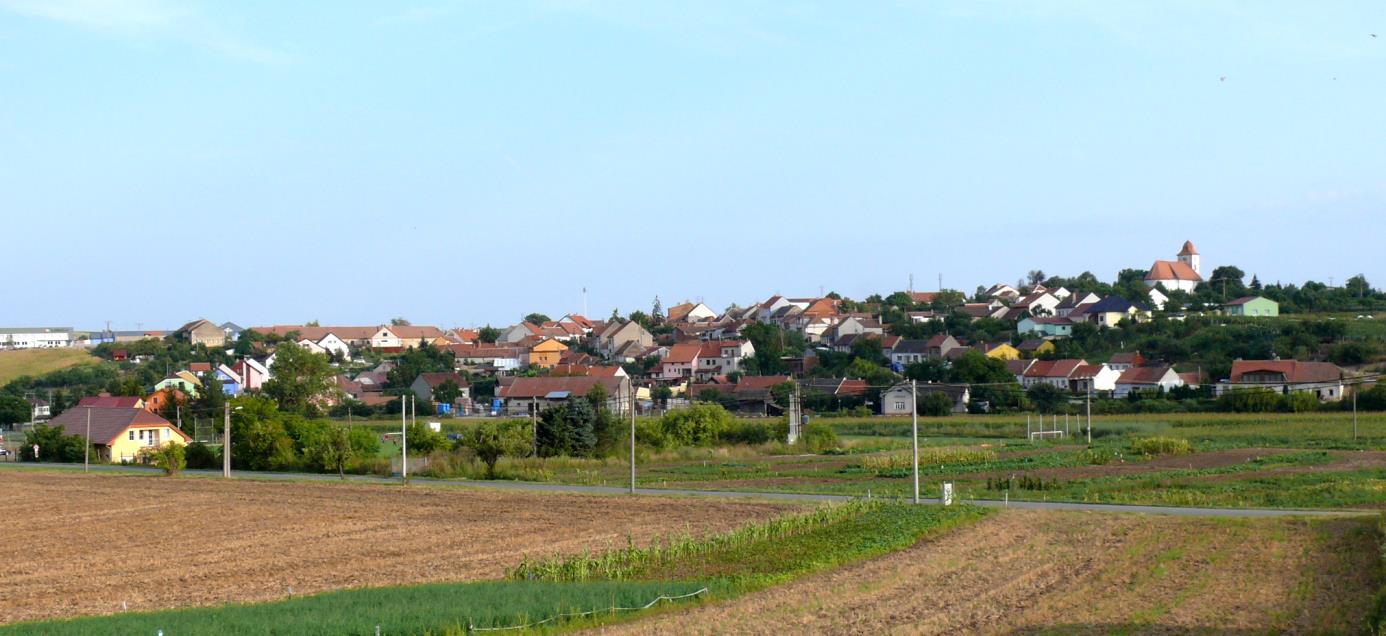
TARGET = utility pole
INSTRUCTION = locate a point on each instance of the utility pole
(226, 443)
(86, 452)
(914, 433)
(1354, 412)
(403, 438)
(534, 423)
(632, 438)
(1089, 401)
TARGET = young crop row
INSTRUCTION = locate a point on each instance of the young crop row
(618, 564)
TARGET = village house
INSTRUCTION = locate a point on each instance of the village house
(1110, 311)
(522, 396)
(680, 362)
(939, 345)
(1253, 307)
(1154, 378)
(1093, 378)
(1035, 347)
(615, 339)
(908, 352)
(202, 332)
(184, 381)
(897, 400)
(1323, 379)
(690, 312)
(119, 434)
(423, 386)
(1123, 360)
(544, 354)
(1056, 373)
(1047, 326)
(999, 350)
(487, 359)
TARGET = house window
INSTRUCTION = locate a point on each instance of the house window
(132, 436)
(900, 405)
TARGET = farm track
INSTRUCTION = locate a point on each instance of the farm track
(87, 544)
(1049, 572)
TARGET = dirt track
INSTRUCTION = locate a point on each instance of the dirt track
(1032, 572)
(87, 544)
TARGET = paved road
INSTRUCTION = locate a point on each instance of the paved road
(778, 496)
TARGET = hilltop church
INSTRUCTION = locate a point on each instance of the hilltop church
(1182, 274)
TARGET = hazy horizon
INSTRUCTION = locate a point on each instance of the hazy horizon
(460, 164)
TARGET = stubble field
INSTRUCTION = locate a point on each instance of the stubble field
(85, 545)
(1084, 573)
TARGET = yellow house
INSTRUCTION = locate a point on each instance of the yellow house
(546, 353)
(1035, 348)
(119, 434)
(1002, 351)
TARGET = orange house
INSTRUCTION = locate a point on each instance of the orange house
(157, 400)
(546, 353)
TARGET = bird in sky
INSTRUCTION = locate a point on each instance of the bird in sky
(1222, 79)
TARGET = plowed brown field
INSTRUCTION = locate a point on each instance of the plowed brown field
(1085, 573)
(86, 544)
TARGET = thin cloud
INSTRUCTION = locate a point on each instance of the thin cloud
(143, 20)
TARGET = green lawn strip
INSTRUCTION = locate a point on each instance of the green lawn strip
(445, 608)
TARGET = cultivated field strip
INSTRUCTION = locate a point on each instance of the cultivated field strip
(88, 544)
(1050, 572)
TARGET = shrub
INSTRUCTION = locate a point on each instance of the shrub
(697, 425)
(1099, 456)
(935, 404)
(168, 457)
(929, 456)
(650, 433)
(199, 455)
(752, 432)
(492, 440)
(819, 437)
(1161, 446)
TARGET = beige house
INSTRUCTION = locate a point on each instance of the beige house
(202, 332)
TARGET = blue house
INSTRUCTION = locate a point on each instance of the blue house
(230, 382)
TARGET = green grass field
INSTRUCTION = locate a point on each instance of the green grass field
(40, 361)
(1269, 460)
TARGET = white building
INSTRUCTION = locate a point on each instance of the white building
(1182, 274)
(35, 337)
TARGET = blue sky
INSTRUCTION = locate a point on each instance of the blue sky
(459, 163)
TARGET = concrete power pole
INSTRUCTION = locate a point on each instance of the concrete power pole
(404, 438)
(914, 433)
(632, 438)
(226, 442)
(86, 452)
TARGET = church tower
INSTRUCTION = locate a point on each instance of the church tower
(1189, 256)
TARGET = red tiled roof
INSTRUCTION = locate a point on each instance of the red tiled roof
(1143, 375)
(1172, 270)
(108, 423)
(436, 378)
(540, 387)
(683, 353)
(760, 382)
(1295, 371)
(110, 402)
(1054, 368)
